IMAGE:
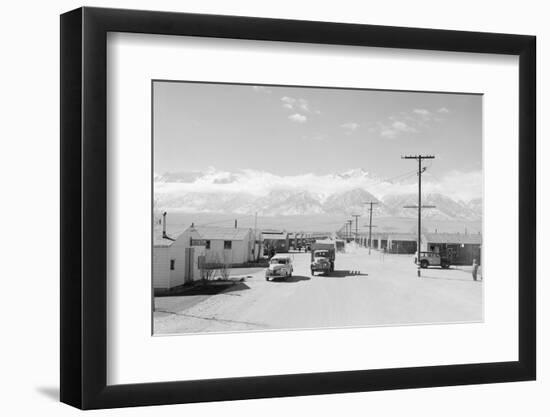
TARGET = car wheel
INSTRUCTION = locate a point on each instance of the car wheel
(267, 278)
(424, 263)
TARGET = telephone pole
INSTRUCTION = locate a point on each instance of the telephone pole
(256, 240)
(419, 158)
(344, 230)
(370, 222)
(356, 217)
(349, 223)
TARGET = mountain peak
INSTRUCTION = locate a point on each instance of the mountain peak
(339, 194)
(353, 173)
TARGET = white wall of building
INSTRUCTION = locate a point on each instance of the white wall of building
(179, 252)
(161, 267)
(178, 276)
(183, 271)
(238, 254)
(241, 250)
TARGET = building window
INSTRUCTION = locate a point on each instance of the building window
(207, 244)
(172, 264)
(227, 244)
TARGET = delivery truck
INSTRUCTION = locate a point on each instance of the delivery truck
(322, 256)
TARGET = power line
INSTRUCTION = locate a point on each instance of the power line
(403, 176)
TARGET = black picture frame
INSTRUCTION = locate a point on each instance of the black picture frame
(84, 179)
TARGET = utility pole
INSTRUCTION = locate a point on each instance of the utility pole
(370, 222)
(349, 223)
(356, 217)
(419, 158)
(256, 240)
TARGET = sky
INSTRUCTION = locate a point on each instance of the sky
(297, 131)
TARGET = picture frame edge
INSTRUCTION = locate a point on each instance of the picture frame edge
(83, 320)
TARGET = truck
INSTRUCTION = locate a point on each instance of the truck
(323, 255)
(275, 242)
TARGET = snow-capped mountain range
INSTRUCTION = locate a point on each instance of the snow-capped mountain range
(249, 192)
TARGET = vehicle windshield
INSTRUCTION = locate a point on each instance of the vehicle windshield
(281, 261)
(321, 254)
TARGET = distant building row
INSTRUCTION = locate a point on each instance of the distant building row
(465, 247)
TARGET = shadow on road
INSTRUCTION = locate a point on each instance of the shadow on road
(292, 279)
(465, 279)
(342, 274)
(211, 288)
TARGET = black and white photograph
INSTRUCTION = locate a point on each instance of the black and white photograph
(300, 207)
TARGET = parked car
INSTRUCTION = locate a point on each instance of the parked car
(280, 266)
(428, 259)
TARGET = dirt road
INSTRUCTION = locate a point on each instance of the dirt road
(363, 291)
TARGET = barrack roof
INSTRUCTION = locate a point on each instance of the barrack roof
(221, 233)
(270, 236)
(473, 239)
(161, 242)
(406, 237)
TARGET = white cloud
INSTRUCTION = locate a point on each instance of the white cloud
(350, 127)
(388, 133)
(298, 118)
(261, 89)
(288, 101)
(298, 104)
(395, 129)
(422, 112)
(458, 185)
(402, 127)
(303, 105)
(408, 122)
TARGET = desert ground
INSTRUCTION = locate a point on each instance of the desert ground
(364, 290)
